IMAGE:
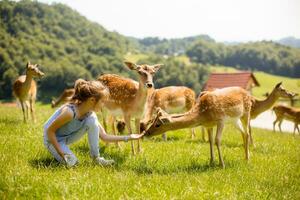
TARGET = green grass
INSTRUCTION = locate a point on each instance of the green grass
(176, 169)
(268, 82)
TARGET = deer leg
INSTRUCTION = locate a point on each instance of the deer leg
(164, 136)
(246, 125)
(274, 124)
(23, 110)
(211, 145)
(203, 134)
(295, 127)
(137, 127)
(239, 126)
(220, 127)
(113, 119)
(298, 129)
(103, 119)
(127, 123)
(250, 134)
(279, 125)
(192, 133)
(32, 110)
(27, 109)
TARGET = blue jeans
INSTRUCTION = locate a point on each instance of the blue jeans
(91, 126)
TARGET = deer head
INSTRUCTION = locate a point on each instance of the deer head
(159, 124)
(281, 92)
(33, 70)
(146, 72)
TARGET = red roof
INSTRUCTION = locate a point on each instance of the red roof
(221, 80)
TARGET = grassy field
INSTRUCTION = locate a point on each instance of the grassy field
(176, 169)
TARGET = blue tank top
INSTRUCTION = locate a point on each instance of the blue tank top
(67, 129)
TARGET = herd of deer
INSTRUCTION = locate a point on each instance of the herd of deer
(149, 107)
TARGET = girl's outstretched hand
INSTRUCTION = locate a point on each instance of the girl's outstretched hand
(136, 136)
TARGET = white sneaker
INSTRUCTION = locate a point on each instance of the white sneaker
(70, 160)
(101, 161)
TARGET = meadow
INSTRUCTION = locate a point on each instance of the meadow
(176, 169)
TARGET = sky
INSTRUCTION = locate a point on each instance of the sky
(223, 20)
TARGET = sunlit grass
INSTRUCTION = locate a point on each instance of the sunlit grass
(176, 169)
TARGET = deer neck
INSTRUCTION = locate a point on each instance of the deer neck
(261, 106)
(149, 109)
(180, 121)
(142, 92)
(27, 82)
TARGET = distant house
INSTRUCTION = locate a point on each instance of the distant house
(245, 80)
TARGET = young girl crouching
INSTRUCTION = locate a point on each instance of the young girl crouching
(71, 121)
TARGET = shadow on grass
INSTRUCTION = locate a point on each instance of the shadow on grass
(160, 139)
(115, 153)
(11, 121)
(45, 163)
(145, 168)
(196, 141)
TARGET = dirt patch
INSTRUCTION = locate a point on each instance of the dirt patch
(9, 104)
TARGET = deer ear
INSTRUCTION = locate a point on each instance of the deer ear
(156, 67)
(28, 63)
(278, 85)
(130, 65)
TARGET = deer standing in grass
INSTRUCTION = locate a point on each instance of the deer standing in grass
(128, 97)
(65, 96)
(170, 99)
(260, 106)
(213, 108)
(288, 113)
(25, 89)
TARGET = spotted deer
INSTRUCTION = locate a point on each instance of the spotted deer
(65, 96)
(288, 113)
(170, 99)
(260, 106)
(128, 97)
(25, 89)
(213, 108)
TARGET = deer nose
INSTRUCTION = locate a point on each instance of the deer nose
(149, 85)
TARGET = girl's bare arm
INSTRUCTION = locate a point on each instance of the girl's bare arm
(113, 138)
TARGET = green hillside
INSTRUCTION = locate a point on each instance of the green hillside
(65, 43)
(268, 81)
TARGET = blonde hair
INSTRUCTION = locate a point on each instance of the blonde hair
(86, 89)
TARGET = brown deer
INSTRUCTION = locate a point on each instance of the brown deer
(66, 96)
(128, 97)
(260, 106)
(213, 108)
(288, 113)
(25, 88)
(170, 99)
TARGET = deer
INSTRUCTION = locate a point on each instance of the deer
(170, 99)
(128, 97)
(260, 106)
(288, 113)
(212, 108)
(25, 89)
(65, 96)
